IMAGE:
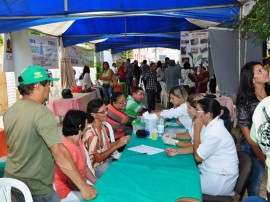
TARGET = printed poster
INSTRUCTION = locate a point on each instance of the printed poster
(195, 43)
(8, 63)
(44, 51)
(81, 56)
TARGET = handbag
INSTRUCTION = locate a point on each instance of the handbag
(113, 82)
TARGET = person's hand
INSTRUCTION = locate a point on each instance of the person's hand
(260, 157)
(171, 152)
(170, 135)
(88, 192)
(123, 140)
(170, 141)
(198, 123)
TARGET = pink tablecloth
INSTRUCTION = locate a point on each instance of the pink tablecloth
(227, 102)
(61, 106)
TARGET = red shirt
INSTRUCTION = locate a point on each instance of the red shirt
(201, 77)
(60, 179)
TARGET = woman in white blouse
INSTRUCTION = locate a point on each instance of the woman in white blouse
(87, 83)
(178, 97)
(214, 148)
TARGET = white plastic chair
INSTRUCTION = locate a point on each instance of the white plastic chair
(110, 130)
(5, 189)
(116, 154)
(163, 94)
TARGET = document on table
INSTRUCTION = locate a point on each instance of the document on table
(146, 149)
(171, 124)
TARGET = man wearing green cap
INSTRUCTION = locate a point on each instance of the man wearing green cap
(34, 143)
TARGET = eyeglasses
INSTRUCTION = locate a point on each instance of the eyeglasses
(103, 112)
(122, 102)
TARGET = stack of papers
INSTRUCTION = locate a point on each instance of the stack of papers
(146, 149)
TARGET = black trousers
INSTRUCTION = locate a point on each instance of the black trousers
(151, 101)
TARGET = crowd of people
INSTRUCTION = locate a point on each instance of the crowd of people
(66, 169)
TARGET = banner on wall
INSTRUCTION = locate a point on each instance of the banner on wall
(8, 63)
(80, 56)
(44, 51)
(195, 43)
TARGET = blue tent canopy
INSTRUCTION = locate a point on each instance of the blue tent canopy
(171, 41)
(35, 8)
(120, 19)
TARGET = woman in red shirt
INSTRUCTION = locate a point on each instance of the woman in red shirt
(73, 127)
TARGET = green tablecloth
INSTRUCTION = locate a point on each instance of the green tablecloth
(150, 178)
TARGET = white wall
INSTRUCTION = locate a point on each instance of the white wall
(108, 57)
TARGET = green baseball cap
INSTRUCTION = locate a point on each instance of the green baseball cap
(34, 74)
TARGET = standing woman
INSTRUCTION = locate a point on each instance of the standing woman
(252, 89)
(87, 83)
(106, 76)
(122, 72)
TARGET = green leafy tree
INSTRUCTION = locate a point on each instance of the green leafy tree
(257, 23)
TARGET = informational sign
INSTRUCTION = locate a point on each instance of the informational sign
(44, 51)
(8, 63)
(194, 43)
(81, 56)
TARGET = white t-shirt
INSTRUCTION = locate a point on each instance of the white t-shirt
(87, 81)
(260, 131)
(180, 113)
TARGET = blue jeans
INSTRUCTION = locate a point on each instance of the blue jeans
(256, 175)
(129, 84)
(50, 197)
(107, 91)
(102, 168)
(254, 199)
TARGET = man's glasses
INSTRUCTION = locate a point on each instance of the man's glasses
(122, 102)
(102, 112)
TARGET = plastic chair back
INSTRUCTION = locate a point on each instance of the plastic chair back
(163, 93)
(110, 130)
(5, 189)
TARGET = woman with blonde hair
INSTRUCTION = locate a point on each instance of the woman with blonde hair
(178, 97)
(176, 139)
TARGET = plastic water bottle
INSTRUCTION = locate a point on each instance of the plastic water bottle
(160, 126)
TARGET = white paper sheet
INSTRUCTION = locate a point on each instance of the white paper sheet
(146, 149)
(171, 124)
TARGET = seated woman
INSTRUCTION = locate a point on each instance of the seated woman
(214, 148)
(73, 127)
(178, 96)
(176, 139)
(96, 139)
(121, 122)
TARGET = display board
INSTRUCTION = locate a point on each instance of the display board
(194, 43)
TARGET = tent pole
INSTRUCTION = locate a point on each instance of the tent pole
(66, 6)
